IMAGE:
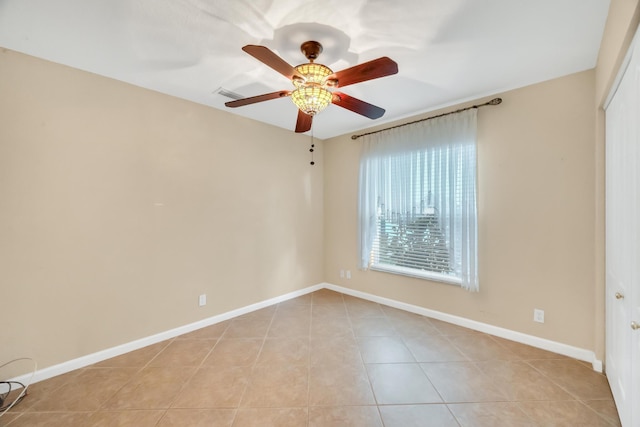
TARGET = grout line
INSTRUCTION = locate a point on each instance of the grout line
(253, 366)
(184, 384)
(309, 362)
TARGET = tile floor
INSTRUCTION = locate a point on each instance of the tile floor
(325, 359)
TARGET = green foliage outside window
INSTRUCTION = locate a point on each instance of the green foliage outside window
(414, 242)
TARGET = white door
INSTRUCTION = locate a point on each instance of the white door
(623, 242)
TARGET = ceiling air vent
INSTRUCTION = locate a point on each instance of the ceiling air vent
(224, 92)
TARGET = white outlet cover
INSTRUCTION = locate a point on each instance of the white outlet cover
(538, 315)
(202, 300)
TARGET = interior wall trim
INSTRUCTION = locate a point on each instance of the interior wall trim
(90, 359)
(542, 343)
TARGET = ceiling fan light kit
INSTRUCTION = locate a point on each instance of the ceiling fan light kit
(311, 99)
(311, 95)
(312, 82)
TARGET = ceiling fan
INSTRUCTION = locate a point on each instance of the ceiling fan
(312, 82)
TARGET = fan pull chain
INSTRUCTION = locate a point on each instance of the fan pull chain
(311, 149)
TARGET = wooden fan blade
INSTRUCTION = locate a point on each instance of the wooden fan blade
(357, 106)
(377, 68)
(304, 122)
(259, 98)
(269, 58)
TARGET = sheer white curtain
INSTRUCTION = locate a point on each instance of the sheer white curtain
(419, 169)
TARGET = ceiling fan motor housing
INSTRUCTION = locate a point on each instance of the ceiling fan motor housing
(311, 50)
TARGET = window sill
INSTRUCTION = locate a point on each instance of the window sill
(404, 271)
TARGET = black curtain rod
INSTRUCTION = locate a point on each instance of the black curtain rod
(494, 101)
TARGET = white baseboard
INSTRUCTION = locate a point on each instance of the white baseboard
(542, 343)
(90, 359)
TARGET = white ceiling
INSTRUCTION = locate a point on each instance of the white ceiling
(447, 51)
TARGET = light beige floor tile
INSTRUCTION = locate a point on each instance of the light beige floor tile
(401, 383)
(521, 382)
(87, 391)
(359, 308)
(290, 326)
(606, 409)
(335, 385)
(288, 351)
(433, 348)
(414, 327)
(437, 415)
(277, 386)
(325, 296)
(9, 417)
(481, 347)
(333, 343)
(183, 353)
(234, 352)
(52, 419)
(562, 413)
(328, 326)
(341, 416)
(578, 379)
(138, 418)
(198, 418)
(333, 310)
(247, 327)
(491, 414)
(214, 387)
(384, 350)
(463, 382)
(334, 350)
(151, 388)
(271, 417)
(372, 327)
(293, 310)
(44, 389)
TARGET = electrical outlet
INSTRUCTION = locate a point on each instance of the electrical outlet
(538, 315)
(348, 274)
(202, 300)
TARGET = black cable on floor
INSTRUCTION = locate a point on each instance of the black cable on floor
(3, 396)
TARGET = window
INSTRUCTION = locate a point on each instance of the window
(418, 200)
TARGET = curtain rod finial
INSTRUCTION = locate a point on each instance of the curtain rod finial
(495, 101)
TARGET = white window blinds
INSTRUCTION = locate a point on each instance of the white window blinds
(418, 200)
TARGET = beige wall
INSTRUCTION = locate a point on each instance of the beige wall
(536, 216)
(119, 206)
